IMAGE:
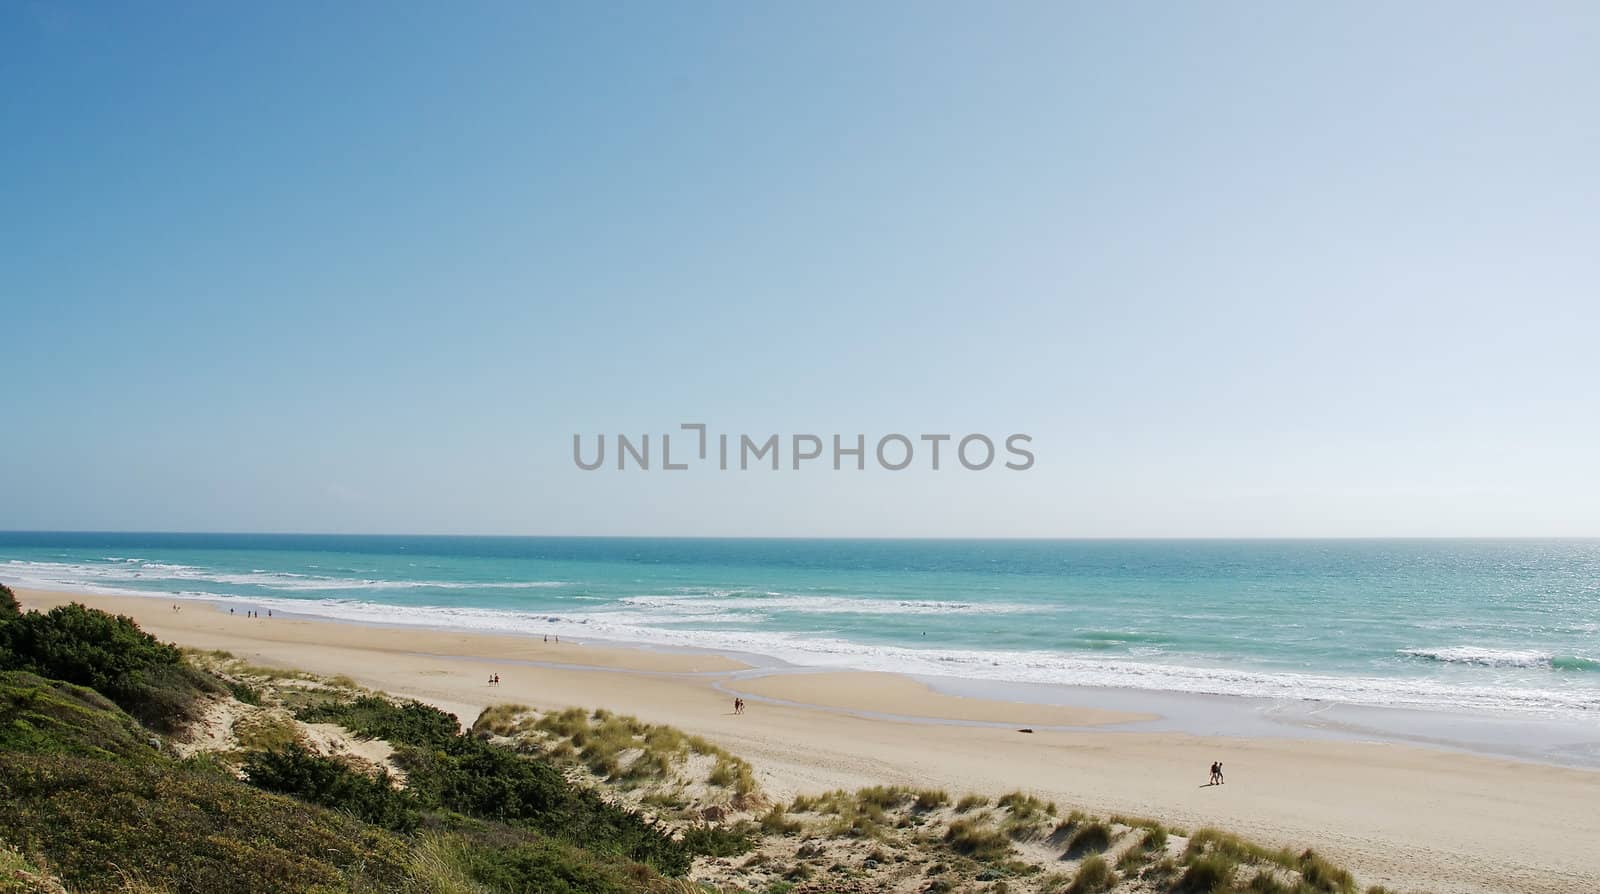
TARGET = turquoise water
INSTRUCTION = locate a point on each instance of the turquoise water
(1477, 626)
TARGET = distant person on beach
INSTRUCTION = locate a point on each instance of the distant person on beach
(1216, 770)
(1221, 780)
(738, 706)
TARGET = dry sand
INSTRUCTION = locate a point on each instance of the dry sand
(1398, 815)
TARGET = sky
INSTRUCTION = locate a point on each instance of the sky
(1237, 269)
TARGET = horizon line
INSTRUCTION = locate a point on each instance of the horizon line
(799, 537)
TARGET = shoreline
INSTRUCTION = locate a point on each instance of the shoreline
(1400, 815)
(1426, 674)
(1557, 741)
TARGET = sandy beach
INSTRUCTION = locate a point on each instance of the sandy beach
(1406, 817)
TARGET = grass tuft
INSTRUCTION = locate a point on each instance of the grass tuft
(971, 802)
(1093, 877)
(971, 838)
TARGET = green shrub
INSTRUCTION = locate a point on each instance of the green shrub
(451, 771)
(721, 841)
(244, 692)
(295, 770)
(547, 866)
(50, 717)
(411, 723)
(8, 604)
(110, 654)
(184, 830)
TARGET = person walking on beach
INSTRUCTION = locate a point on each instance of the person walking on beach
(1216, 771)
(738, 706)
(1221, 780)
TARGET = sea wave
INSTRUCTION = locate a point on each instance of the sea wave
(74, 574)
(1486, 657)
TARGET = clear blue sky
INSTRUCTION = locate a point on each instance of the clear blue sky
(1261, 269)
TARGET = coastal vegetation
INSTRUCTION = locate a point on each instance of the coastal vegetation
(129, 766)
(99, 792)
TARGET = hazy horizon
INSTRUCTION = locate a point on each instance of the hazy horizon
(491, 535)
(1240, 271)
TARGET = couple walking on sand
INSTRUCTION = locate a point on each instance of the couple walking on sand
(1216, 773)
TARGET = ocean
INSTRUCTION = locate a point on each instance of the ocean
(1481, 626)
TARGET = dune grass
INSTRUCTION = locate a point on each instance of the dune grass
(931, 799)
(1093, 877)
(1025, 806)
(623, 749)
(1214, 841)
(1135, 822)
(1091, 837)
(975, 839)
(1322, 875)
(971, 802)
(500, 720)
(265, 731)
(776, 822)
(1207, 874)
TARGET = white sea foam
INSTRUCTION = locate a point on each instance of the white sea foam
(722, 600)
(1484, 657)
(70, 574)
